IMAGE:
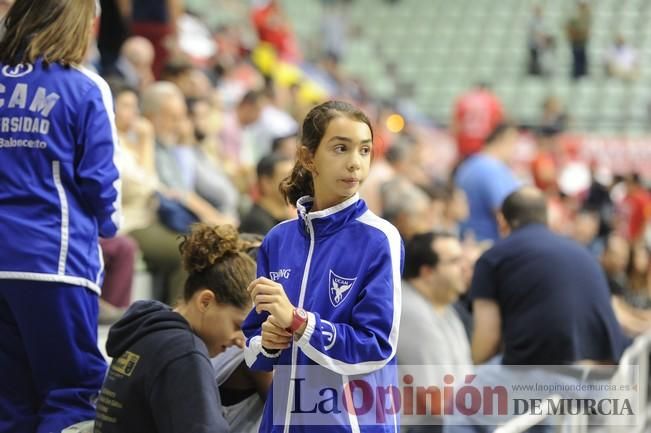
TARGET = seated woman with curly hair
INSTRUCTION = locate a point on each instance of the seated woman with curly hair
(161, 378)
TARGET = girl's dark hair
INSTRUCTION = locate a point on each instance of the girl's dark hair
(58, 31)
(216, 258)
(300, 182)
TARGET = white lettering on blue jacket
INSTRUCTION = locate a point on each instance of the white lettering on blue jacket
(59, 182)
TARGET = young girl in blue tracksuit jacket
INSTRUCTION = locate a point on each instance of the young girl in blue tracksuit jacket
(59, 191)
(327, 297)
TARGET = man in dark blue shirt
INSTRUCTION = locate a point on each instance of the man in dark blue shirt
(541, 296)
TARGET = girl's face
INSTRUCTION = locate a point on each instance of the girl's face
(219, 326)
(341, 162)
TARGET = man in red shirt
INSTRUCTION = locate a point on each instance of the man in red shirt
(273, 27)
(476, 113)
(635, 209)
(544, 166)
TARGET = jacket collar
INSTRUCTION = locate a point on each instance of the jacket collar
(329, 220)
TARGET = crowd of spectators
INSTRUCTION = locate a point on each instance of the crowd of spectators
(208, 139)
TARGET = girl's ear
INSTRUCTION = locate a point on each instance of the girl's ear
(204, 299)
(306, 158)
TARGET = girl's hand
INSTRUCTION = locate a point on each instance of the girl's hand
(274, 337)
(270, 296)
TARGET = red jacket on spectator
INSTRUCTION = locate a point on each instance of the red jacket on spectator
(272, 26)
(636, 212)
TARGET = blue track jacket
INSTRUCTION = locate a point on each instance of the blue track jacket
(59, 184)
(343, 266)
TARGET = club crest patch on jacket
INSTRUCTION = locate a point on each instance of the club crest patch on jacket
(340, 287)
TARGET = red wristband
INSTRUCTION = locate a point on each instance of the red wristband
(299, 318)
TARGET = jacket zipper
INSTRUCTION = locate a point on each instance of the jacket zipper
(301, 301)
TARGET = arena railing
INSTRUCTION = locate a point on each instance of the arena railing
(633, 366)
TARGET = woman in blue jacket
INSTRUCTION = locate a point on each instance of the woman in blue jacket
(59, 191)
(327, 297)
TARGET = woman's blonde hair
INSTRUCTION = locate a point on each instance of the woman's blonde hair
(57, 31)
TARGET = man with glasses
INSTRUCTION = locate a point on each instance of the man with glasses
(433, 341)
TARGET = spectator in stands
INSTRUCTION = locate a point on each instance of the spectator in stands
(456, 210)
(433, 281)
(544, 166)
(438, 195)
(270, 209)
(476, 113)
(141, 195)
(472, 250)
(206, 117)
(113, 31)
(539, 42)
(327, 74)
(405, 158)
(334, 26)
(156, 20)
(615, 260)
(296, 105)
(554, 117)
(541, 299)
(193, 82)
(134, 65)
(622, 60)
(561, 210)
(449, 207)
(163, 104)
(273, 122)
(407, 207)
(212, 182)
(380, 173)
(577, 30)
(285, 146)
(487, 179)
(639, 276)
(273, 27)
(231, 45)
(235, 123)
(540, 296)
(547, 56)
(177, 203)
(586, 231)
(598, 198)
(634, 212)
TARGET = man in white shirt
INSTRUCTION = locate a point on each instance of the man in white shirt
(622, 60)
